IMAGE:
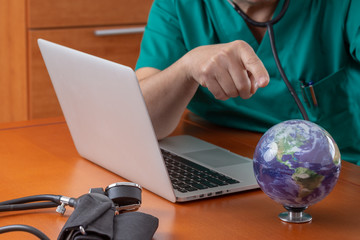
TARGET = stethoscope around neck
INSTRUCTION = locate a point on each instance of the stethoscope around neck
(269, 25)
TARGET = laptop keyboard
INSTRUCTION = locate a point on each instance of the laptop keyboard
(187, 176)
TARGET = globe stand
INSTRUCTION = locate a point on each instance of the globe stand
(295, 215)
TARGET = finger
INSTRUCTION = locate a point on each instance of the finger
(226, 82)
(241, 79)
(253, 64)
(217, 79)
(254, 84)
(214, 87)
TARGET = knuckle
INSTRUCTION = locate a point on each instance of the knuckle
(239, 42)
(249, 56)
(223, 53)
(245, 94)
(252, 60)
(242, 45)
(232, 93)
(219, 95)
(206, 69)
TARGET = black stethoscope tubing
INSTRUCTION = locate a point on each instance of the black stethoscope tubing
(269, 25)
(31, 202)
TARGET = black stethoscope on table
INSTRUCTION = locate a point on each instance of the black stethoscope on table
(269, 25)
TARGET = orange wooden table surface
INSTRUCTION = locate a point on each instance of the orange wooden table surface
(38, 157)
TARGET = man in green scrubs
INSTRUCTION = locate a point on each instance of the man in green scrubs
(202, 55)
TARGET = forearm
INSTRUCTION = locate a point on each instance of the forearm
(227, 70)
(166, 93)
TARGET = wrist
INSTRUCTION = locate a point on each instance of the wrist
(184, 69)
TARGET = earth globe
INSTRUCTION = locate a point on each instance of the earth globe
(297, 164)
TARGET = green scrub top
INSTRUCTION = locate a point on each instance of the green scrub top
(318, 42)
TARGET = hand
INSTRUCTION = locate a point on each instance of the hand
(227, 70)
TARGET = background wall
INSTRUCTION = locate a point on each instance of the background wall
(26, 91)
(13, 84)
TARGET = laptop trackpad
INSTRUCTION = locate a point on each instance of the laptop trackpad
(217, 157)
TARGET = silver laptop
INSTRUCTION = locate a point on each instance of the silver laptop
(110, 126)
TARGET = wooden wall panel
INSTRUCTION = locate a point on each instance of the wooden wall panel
(25, 88)
(13, 85)
(70, 13)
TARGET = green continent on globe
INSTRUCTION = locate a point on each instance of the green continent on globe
(288, 145)
(307, 180)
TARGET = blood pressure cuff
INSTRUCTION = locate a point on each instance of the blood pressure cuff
(94, 219)
(135, 226)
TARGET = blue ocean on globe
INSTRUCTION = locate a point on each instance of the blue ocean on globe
(297, 163)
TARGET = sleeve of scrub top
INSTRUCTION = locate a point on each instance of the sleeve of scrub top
(162, 42)
(352, 28)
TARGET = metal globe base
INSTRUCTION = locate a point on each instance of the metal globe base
(295, 215)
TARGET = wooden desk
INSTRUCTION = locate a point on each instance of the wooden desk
(39, 157)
